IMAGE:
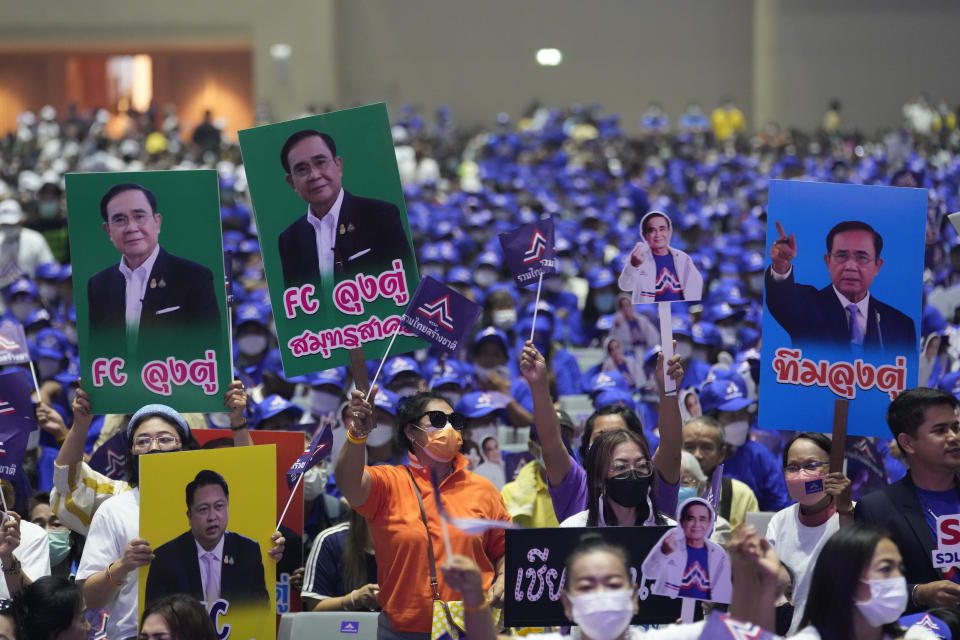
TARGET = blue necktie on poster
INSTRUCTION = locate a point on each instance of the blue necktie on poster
(318, 450)
(17, 420)
(530, 251)
(13, 344)
(440, 314)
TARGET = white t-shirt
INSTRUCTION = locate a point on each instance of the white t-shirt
(810, 633)
(798, 546)
(115, 523)
(33, 554)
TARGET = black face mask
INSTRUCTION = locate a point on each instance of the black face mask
(784, 616)
(628, 489)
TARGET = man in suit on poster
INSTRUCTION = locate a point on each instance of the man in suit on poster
(843, 315)
(341, 234)
(150, 288)
(208, 562)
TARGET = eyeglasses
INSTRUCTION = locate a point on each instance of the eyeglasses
(439, 419)
(862, 258)
(163, 440)
(122, 222)
(814, 466)
(642, 467)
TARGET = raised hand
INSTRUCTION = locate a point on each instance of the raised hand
(533, 367)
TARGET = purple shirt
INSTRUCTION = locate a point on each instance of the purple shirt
(570, 496)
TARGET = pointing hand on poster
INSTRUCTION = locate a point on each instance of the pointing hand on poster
(672, 542)
(82, 411)
(783, 251)
(532, 365)
(636, 256)
(137, 554)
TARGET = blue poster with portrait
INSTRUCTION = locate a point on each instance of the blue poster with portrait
(842, 300)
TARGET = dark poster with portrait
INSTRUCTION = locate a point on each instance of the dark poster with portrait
(842, 293)
(148, 285)
(334, 235)
(535, 574)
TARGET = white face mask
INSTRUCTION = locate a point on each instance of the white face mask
(603, 615)
(252, 345)
(323, 403)
(484, 373)
(48, 292)
(314, 481)
(71, 332)
(699, 353)
(47, 367)
(504, 318)
(381, 435)
(484, 277)
(888, 599)
(406, 392)
(728, 335)
(684, 348)
(735, 433)
(22, 309)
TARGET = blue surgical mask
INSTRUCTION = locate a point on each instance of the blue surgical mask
(685, 493)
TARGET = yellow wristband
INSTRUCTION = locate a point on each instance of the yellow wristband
(355, 440)
(110, 578)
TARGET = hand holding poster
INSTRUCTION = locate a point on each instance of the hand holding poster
(842, 291)
(231, 501)
(148, 285)
(334, 235)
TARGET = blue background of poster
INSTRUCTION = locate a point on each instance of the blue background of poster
(810, 210)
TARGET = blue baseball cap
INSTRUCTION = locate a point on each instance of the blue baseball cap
(606, 380)
(21, 285)
(386, 400)
(722, 311)
(48, 271)
(336, 377)
(36, 316)
(613, 396)
(273, 405)
(600, 277)
(723, 395)
(398, 365)
(706, 333)
(157, 410)
(250, 312)
(492, 333)
(924, 626)
(481, 403)
(950, 383)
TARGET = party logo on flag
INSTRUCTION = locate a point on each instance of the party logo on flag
(720, 626)
(13, 344)
(109, 458)
(318, 450)
(17, 420)
(440, 314)
(530, 251)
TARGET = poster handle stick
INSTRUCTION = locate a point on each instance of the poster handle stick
(533, 325)
(230, 337)
(839, 437)
(293, 492)
(666, 343)
(446, 538)
(687, 609)
(382, 360)
(36, 386)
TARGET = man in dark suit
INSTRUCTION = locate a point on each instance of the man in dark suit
(341, 234)
(925, 425)
(150, 288)
(844, 314)
(208, 562)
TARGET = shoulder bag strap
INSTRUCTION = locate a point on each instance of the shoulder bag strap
(423, 516)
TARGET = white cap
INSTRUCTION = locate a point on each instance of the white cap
(10, 212)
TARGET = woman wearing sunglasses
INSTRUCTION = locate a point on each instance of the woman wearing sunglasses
(400, 506)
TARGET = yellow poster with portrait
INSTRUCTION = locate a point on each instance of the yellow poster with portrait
(209, 517)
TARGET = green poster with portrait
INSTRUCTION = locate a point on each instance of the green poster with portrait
(334, 235)
(148, 281)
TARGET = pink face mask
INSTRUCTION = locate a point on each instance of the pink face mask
(806, 487)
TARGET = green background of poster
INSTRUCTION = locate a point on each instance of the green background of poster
(189, 205)
(364, 142)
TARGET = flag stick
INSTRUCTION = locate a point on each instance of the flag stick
(382, 360)
(3, 498)
(446, 538)
(289, 500)
(535, 305)
(666, 344)
(36, 385)
(230, 337)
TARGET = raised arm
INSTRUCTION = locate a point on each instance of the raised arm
(666, 460)
(236, 400)
(353, 480)
(71, 450)
(555, 456)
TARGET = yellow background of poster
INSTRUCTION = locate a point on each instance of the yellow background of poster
(250, 473)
